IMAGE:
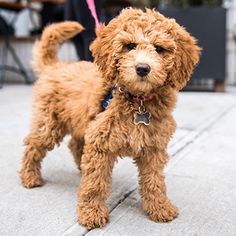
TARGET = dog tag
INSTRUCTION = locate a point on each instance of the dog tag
(142, 117)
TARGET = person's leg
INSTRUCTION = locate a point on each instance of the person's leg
(80, 12)
(69, 11)
(46, 18)
(87, 37)
(79, 46)
(98, 6)
(58, 13)
(51, 13)
(83, 15)
(70, 14)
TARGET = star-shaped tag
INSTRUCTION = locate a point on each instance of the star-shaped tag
(142, 117)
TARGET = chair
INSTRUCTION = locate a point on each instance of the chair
(7, 49)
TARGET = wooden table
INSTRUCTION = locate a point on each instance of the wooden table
(45, 1)
(12, 6)
(17, 6)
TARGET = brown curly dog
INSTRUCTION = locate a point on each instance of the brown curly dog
(142, 59)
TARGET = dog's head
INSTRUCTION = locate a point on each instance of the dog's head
(143, 51)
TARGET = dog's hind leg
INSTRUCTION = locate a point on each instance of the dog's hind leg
(45, 133)
(76, 146)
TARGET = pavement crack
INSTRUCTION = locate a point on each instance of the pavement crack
(126, 195)
(122, 199)
(179, 176)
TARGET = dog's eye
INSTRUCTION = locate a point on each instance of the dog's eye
(159, 49)
(131, 46)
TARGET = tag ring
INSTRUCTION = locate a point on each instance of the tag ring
(141, 107)
(120, 90)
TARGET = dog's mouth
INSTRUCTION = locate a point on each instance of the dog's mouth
(141, 86)
(143, 79)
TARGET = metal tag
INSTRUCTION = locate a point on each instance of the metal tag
(142, 117)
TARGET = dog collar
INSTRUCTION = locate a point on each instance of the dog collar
(141, 116)
(133, 98)
(107, 99)
(141, 98)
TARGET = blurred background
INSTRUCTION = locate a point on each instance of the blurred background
(212, 22)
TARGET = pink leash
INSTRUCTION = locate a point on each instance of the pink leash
(92, 8)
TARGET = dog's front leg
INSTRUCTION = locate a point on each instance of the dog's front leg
(152, 187)
(95, 186)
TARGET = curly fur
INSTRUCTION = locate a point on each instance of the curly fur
(68, 97)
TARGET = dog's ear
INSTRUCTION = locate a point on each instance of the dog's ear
(186, 57)
(103, 49)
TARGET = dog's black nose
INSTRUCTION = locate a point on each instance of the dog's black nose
(142, 69)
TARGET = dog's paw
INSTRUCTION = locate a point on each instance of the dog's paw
(93, 217)
(30, 179)
(166, 213)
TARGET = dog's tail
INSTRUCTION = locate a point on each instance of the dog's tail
(45, 50)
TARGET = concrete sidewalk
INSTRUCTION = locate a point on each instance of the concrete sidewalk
(201, 175)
